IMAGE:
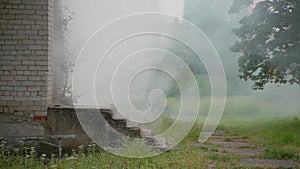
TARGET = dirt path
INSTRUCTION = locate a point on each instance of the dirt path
(223, 142)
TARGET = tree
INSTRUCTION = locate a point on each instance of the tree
(269, 41)
(213, 19)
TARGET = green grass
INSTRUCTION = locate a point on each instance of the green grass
(261, 121)
(136, 148)
(188, 156)
(279, 136)
(252, 108)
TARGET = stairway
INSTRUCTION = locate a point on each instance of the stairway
(64, 121)
(129, 128)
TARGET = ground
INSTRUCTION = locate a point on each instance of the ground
(251, 155)
(273, 143)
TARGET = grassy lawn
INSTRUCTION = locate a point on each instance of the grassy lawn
(187, 156)
(249, 117)
(279, 137)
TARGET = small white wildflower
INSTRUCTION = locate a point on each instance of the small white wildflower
(53, 166)
(71, 158)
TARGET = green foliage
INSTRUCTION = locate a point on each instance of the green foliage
(212, 18)
(269, 42)
(188, 57)
(26, 157)
(240, 4)
(202, 81)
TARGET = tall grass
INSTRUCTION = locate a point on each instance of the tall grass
(136, 148)
(242, 107)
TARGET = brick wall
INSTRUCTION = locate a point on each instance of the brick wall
(25, 57)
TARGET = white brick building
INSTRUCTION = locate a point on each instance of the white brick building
(25, 59)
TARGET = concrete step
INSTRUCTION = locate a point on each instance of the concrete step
(130, 128)
(131, 124)
(133, 132)
(146, 133)
(156, 142)
(161, 144)
(106, 114)
(117, 116)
